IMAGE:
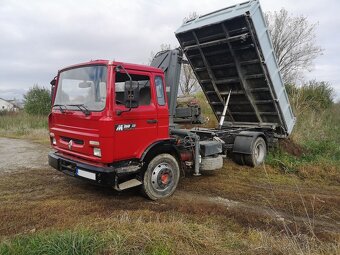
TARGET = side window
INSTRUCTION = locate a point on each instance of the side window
(144, 88)
(160, 90)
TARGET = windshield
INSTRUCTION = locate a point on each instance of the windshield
(84, 86)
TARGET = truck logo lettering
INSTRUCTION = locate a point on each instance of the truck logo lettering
(119, 127)
(124, 127)
(70, 143)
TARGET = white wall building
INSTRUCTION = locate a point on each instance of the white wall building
(7, 106)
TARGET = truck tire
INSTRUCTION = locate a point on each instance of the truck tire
(161, 177)
(258, 153)
(211, 163)
(238, 158)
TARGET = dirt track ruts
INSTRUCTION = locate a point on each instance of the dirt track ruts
(22, 155)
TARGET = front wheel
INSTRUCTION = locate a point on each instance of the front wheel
(161, 177)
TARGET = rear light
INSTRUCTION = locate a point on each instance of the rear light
(97, 152)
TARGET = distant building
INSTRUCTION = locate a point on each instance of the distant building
(9, 105)
(17, 104)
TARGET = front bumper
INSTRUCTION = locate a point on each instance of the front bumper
(103, 175)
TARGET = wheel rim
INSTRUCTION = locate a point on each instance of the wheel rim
(162, 177)
(259, 152)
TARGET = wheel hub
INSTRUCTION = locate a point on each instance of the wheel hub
(162, 177)
(259, 152)
(165, 178)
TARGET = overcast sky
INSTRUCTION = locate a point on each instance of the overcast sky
(39, 37)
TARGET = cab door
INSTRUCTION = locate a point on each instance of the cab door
(135, 129)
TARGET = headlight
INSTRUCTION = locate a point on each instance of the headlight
(97, 152)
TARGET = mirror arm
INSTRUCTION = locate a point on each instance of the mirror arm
(120, 66)
(119, 112)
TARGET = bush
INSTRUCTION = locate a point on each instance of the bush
(207, 112)
(38, 101)
(311, 96)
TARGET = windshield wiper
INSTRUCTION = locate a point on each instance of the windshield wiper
(60, 107)
(81, 107)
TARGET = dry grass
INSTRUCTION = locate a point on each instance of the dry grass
(44, 202)
(22, 125)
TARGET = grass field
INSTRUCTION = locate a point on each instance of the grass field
(290, 205)
(23, 125)
(316, 137)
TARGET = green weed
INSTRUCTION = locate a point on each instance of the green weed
(61, 243)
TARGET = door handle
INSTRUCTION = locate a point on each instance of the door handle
(152, 121)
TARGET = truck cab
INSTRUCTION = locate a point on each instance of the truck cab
(105, 117)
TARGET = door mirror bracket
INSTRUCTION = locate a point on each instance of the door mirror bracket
(131, 92)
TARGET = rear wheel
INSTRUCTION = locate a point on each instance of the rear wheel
(161, 177)
(238, 158)
(258, 153)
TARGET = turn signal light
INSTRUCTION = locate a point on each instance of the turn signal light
(54, 141)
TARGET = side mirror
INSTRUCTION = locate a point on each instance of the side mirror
(131, 94)
(53, 82)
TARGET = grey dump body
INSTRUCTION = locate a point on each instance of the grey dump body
(231, 50)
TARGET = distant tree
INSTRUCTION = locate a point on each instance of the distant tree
(191, 16)
(37, 101)
(294, 43)
(162, 47)
(188, 82)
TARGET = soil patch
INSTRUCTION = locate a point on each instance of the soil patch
(289, 146)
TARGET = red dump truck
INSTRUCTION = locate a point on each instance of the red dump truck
(113, 123)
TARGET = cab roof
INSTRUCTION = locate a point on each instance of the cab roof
(129, 66)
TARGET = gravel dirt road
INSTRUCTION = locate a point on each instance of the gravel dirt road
(18, 154)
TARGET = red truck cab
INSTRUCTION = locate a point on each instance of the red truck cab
(106, 119)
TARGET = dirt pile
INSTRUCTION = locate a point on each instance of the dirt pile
(289, 146)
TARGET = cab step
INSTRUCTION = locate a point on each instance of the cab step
(128, 184)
